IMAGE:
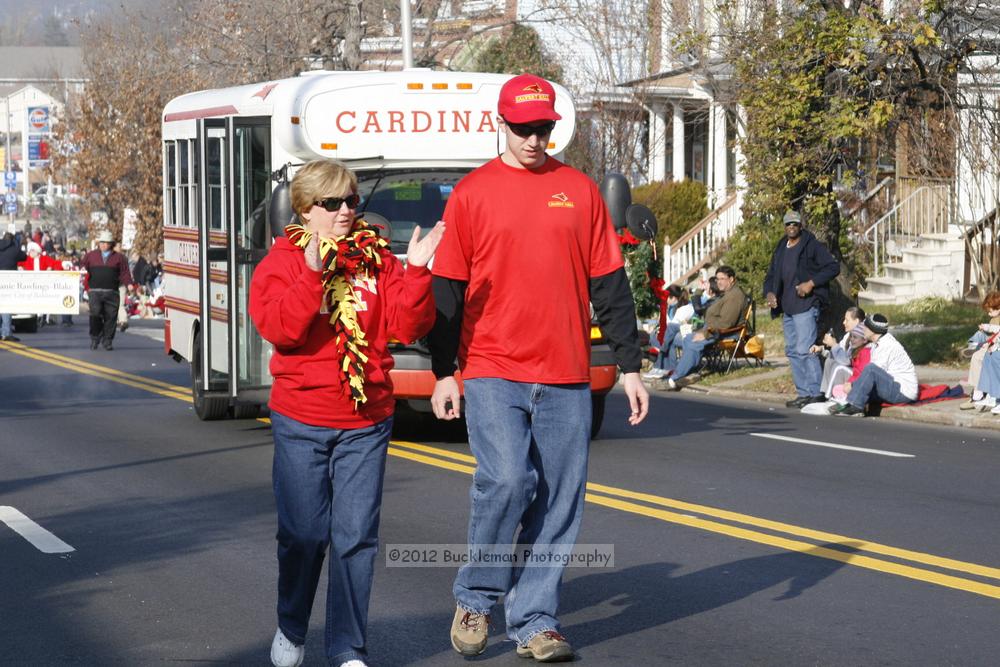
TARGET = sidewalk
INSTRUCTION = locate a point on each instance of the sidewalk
(945, 413)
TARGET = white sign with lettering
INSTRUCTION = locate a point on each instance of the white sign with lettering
(40, 292)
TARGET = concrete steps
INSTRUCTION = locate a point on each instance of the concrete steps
(934, 267)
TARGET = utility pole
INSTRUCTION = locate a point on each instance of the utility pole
(407, 31)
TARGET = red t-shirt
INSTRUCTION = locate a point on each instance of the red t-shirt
(527, 242)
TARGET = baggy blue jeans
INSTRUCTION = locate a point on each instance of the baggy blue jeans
(531, 443)
(666, 359)
(691, 351)
(6, 324)
(873, 384)
(328, 491)
(800, 335)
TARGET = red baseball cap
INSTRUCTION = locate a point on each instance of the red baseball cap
(527, 98)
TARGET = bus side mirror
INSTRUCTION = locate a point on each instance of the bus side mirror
(617, 197)
(279, 211)
(641, 222)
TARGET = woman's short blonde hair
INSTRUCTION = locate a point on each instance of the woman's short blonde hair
(319, 179)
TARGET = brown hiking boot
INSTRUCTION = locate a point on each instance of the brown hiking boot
(548, 646)
(469, 632)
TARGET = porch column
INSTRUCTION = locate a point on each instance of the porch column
(678, 144)
(720, 161)
(657, 170)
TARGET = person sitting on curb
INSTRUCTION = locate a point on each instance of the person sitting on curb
(889, 378)
(838, 361)
(991, 304)
(986, 363)
(987, 334)
(724, 313)
(667, 341)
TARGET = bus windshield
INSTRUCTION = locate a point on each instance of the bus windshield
(405, 198)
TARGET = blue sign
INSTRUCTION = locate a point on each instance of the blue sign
(10, 208)
(10, 198)
(10, 180)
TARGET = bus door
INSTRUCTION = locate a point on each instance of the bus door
(210, 358)
(249, 240)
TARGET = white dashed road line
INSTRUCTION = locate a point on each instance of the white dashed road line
(817, 443)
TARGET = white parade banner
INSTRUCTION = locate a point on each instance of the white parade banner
(40, 292)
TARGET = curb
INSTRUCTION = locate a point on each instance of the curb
(919, 414)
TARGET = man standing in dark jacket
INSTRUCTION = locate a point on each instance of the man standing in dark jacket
(797, 288)
(10, 255)
(106, 271)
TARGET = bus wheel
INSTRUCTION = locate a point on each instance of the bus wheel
(246, 411)
(208, 408)
(597, 415)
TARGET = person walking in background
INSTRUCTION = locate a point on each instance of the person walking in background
(797, 288)
(10, 254)
(511, 254)
(328, 296)
(107, 270)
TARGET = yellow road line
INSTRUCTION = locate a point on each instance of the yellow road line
(874, 547)
(866, 562)
(419, 453)
(742, 533)
(44, 355)
(134, 381)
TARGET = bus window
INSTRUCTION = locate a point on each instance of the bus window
(183, 183)
(214, 157)
(171, 183)
(407, 199)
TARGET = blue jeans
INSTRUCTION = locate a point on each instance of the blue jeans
(989, 377)
(6, 324)
(875, 384)
(531, 443)
(690, 355)
(800, 335)
(666, 359)
(328, 491)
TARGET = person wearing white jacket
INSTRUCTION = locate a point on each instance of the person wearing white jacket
(890, 377)
(668, 341)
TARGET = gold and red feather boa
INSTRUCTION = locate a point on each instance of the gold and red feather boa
(357, 255)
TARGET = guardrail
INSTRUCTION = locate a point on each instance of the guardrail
(699, 246)
(927, 210)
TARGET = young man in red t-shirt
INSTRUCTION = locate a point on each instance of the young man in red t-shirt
(530, 242)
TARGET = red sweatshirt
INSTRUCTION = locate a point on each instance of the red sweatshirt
(285, 300)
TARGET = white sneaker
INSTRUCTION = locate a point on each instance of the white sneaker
(995, 410)
(353, 663)
(986, 403)
(654, 374)
(284, 653)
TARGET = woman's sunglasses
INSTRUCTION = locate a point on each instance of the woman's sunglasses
(524, 130)
(333, 204)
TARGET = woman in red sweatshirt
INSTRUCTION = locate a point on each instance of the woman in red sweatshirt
(328, 296)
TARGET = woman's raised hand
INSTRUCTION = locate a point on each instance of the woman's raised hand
(421, 250)
(312, 253)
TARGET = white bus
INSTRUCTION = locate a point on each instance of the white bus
(227, 156)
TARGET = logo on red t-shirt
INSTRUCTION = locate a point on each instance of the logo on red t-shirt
(560, 200)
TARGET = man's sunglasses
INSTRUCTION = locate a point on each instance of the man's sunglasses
(524, 130)
(333, 204)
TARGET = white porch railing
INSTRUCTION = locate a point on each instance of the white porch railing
(702, 243)
(927, 210)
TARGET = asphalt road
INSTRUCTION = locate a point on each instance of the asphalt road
(730, 546)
